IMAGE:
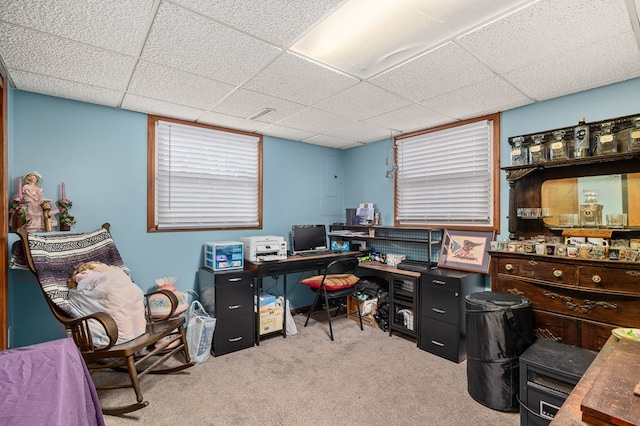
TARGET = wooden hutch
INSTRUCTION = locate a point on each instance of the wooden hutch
(576, 301)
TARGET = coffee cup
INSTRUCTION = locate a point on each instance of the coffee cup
(598, 241)
(614, 253)
(572, 251)
(584, 251)
(551, 249)
(599, 252)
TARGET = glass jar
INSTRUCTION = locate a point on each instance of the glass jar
(634, 135)
(582, 147)
(537, 151)
(590, 210)
(558, 147)
(518, 151)
(606, 142)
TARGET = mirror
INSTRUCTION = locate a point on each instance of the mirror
(618, 194)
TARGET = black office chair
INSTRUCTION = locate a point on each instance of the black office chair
(337, 283)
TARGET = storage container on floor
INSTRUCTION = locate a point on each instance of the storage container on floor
(499, 329)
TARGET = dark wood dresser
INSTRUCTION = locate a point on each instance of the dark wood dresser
(576, 301)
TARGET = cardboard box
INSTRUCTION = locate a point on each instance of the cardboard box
(352, 313)
(270, 320)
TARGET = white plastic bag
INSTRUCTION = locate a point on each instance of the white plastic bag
(199, 332)
(290, 322)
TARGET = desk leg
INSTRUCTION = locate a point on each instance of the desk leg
(257, 310)
(284, 310)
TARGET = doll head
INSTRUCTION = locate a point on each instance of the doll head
(33, 178)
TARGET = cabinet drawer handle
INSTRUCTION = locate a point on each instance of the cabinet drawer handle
(596, 278)
(438, 282)
(557, 273)
(438, 311)
(508, 267)
(235, 306)
(233, 280)
(435, 342)
(235, 339)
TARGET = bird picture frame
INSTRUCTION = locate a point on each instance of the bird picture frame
(465, 250)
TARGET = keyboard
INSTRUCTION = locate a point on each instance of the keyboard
(319, 252)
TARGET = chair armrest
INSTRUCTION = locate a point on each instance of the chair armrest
(166, 293)
(82, 334)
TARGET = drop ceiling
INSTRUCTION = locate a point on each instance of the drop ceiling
(221, 62)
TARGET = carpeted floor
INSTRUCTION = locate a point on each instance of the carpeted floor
(363, 377)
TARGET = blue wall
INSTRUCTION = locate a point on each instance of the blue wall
(100, 153)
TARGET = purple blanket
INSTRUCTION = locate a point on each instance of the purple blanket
(47, 384)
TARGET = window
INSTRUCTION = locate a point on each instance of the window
(203, 177)
(448, 177)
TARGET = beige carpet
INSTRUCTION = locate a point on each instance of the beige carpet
(362, 378)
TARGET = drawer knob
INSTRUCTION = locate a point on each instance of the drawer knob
(508, 267)
(557, 273)
(596, 278)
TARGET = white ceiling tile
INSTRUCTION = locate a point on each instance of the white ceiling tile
(487, 97)
(286, 132)
(52, 56)
(544, 29)
(439, 71)
(331, 141)
(158, 82)
(411, 118)
(65, 89)
(156, 107)
(113, 25)
(314, 120)
(298, 80)
(361, 132)
(184, 40)
(245, 103)
(277, 21)
(362, 101)
(607, 62)
(221, 120)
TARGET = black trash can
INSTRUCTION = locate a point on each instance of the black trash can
(499, 329)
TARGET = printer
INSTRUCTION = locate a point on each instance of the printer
(264, 248)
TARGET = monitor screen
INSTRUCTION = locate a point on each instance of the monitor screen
(308, 238)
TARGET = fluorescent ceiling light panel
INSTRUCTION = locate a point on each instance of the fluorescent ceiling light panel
(365, 37)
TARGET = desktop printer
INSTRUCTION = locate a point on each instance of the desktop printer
(264, 248)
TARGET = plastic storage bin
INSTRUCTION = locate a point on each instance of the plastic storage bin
(499, 330)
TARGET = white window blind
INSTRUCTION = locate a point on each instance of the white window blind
(445, 177)
(206, 178)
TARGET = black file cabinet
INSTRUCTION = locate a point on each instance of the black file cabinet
(442, 328)
(228, 296)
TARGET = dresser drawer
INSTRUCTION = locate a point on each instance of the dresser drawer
(441, 339)
(440, 304)
(233, 278)
(610, 279)
(233, 334)
(440, 282)
(540, 270)
(234, 300)
(594, 306)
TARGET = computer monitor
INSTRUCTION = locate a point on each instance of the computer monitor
(306, 238)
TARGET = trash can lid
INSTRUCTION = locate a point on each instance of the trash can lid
(495, 301)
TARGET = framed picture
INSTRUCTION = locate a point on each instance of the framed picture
(465, 250)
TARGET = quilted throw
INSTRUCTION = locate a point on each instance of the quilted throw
(55, 256)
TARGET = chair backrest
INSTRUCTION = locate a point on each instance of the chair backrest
(347, 265)
(53, 258)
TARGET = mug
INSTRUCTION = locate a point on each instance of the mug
(584, 250)
(630, 255)
(561, 250)
(572, 251)
(614, 253)
(598, 241)
(634, 243)
(541, 248)
(551, 249)
(599, 252)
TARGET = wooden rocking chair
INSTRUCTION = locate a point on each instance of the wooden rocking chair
(52, 258)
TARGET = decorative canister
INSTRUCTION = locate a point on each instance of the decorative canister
(160, 305)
